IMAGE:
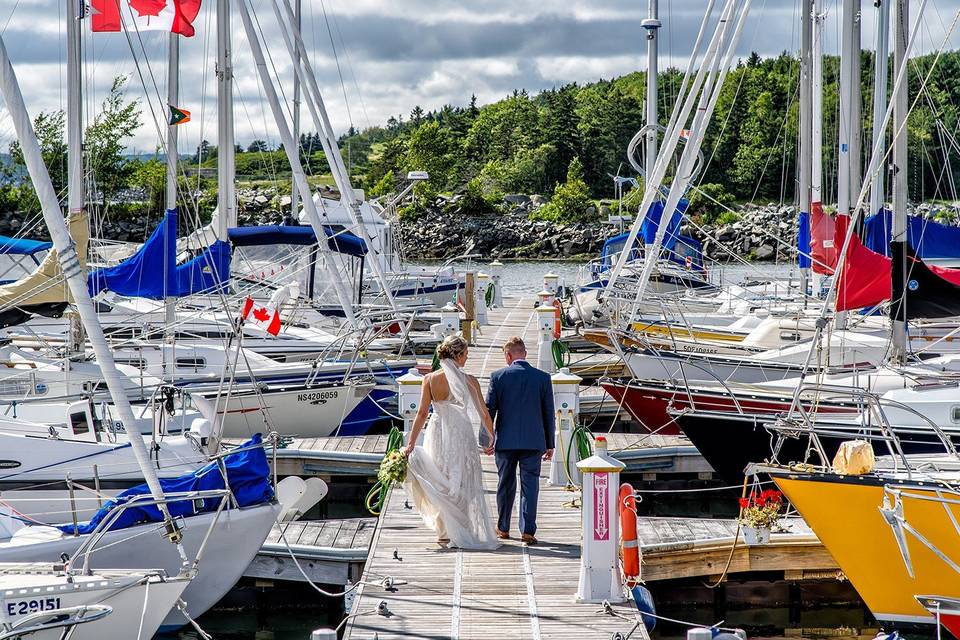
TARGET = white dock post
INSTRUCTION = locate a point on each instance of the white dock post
(545, 320)
(449, 324)
(599, 569)
(551, 283)
(483, 280)
(410, 385)
(323, 634)
(566, 403)
(496, 276)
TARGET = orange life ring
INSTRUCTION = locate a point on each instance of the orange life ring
(629, 549)
(556, 320)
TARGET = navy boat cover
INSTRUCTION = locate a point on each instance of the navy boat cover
(247, 472)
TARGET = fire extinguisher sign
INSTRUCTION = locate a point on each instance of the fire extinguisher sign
(601, 509)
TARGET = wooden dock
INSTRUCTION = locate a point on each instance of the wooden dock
(361, 455)
(677, 548)
(329, 551)
(515, 591)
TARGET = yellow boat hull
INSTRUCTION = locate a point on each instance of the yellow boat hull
(844, 513)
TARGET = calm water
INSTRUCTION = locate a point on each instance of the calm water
(764, 609)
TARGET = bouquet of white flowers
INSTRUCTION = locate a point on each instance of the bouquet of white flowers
(393, 468)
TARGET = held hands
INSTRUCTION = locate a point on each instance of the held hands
(548, 455)
(488, 450)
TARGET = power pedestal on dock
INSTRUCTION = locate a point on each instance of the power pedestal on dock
(599, 570)
(410, 387)
(566, 403)
(545, 321)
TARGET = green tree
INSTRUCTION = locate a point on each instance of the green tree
(105, 140)
(570, 200)
(258, 146)
(430, 149)
(50, 128)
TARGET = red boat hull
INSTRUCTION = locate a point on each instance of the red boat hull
(648, 403)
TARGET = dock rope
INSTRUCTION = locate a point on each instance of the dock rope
(733, 547)
(386, 582)
(377, 496)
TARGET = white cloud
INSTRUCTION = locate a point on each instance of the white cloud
(394, 55)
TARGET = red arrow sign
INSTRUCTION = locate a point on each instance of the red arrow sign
(601, 508)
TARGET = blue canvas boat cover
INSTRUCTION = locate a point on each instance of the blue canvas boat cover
(676, 246)
(341, 242)
(152, 272)
(927, 238)
(804, 260)
(22, 246)
(247, 472)
(206, 273)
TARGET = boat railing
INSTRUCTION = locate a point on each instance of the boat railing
(892, 510)
(91, 542)
(875, 425)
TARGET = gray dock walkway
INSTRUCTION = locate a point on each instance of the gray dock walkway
(330, 551)
(513, 592)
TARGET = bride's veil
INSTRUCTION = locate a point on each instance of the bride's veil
(460, 392)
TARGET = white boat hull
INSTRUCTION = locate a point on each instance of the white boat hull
(234, 543)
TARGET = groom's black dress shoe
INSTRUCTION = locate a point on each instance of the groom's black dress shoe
(503, 535)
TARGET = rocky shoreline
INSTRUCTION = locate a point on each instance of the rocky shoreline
(754, 232)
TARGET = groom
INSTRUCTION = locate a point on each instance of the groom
(520, 400)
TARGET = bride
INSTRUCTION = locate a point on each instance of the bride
(443, 475)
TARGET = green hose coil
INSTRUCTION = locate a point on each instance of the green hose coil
(561, 354)
(490, 294)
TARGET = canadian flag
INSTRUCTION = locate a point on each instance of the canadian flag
(175, 16)
(265, 317)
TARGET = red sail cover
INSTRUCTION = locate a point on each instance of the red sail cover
(822, 233)
(865, 279)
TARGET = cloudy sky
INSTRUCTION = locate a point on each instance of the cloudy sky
(394, 55)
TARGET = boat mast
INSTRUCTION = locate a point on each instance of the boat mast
(76, 197)
(877, 191)
(856, 107)
(226, 190)
(293, 157)
(321, 120)
(173, 100)
(76, 277)
(652, 25)
(298, 21)
(806, 129)
(816, 117)
(899, 230)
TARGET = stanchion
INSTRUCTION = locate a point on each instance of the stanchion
(545, 321)
(496, 276)
(480, 295)
(599, 569)
(566, 455)
(410, 386)
(449, 324)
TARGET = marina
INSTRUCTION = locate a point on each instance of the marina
(287, 377)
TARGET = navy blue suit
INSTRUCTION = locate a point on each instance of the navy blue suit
(520, 401)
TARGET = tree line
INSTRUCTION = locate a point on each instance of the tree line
(566, 143)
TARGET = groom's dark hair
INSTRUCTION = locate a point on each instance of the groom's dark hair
(515, 346)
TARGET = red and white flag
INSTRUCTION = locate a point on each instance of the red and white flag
(175, 16)
(266, 317)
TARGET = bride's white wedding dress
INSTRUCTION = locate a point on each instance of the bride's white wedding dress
(444, 475)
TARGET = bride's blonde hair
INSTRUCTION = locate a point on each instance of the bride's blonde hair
(452, 348)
